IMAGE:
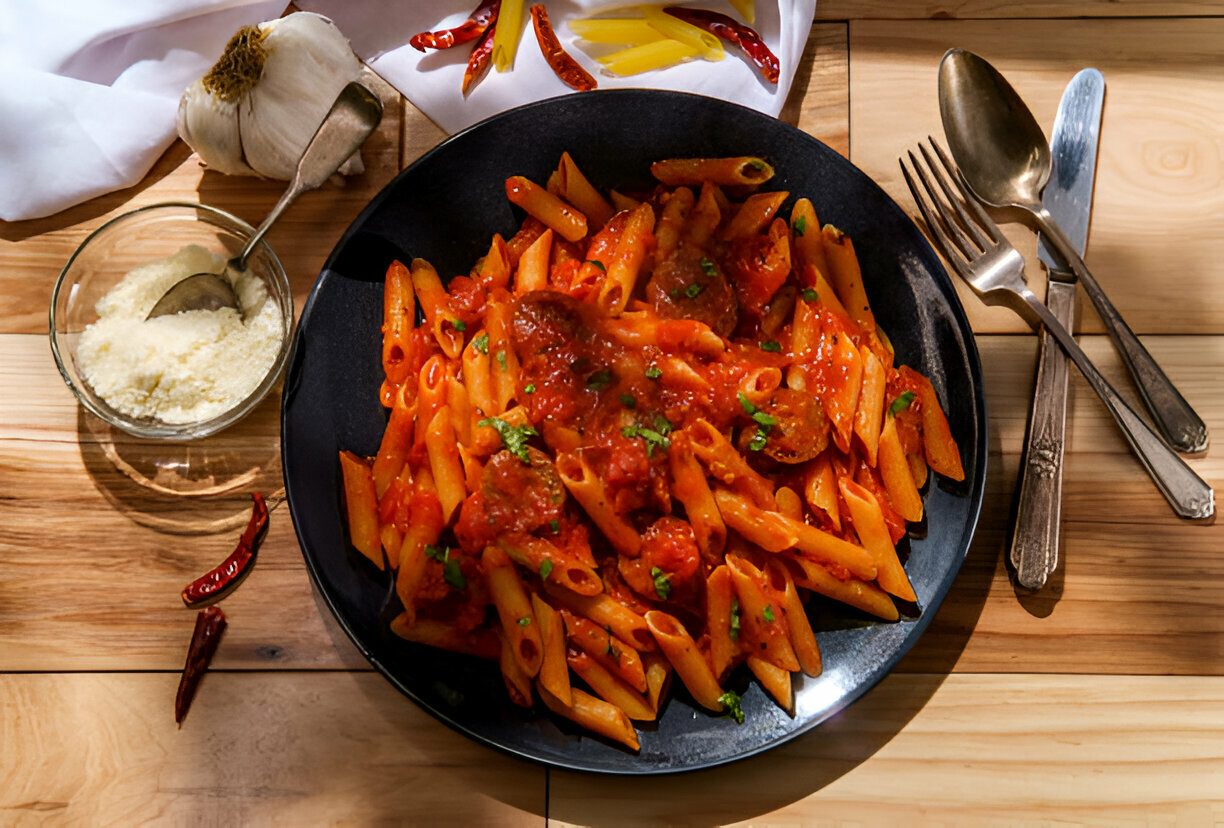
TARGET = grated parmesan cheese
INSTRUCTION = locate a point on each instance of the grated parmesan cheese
(185, 367)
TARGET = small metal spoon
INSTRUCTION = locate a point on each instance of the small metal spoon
(1005, 159)
(349, 122)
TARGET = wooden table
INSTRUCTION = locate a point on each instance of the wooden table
(1100, 699)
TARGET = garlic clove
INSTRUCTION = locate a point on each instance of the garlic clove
(210, 126)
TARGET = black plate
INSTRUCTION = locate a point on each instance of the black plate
(444, 208)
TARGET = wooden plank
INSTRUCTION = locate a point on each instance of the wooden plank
(991, 9)
(819, 100)
(1155, 243)
(35, 251)
(313, 748)
(974, 749)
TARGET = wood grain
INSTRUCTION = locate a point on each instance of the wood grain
(819, 101)
(316, 748)
(142, 545)
(919, 749)
(1155, 234)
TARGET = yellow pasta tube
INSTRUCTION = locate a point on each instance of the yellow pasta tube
(647, 57)
(802, 638)
(754, 215)
(628, 30)
(707, 45)
(719, 594)
(507, 34)
(869, 416)
(726, 464)
(504, 364)
(477, 375)
(481, 642)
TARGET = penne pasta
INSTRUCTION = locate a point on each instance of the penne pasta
(639, 437)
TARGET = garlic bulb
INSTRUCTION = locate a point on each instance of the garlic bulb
(255, 111)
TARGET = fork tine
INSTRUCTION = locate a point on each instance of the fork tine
(935, 224)
(946, 224)
(959, 198)
(983, 218)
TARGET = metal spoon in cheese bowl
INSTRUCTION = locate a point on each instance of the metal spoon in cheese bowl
(1005, 159)
(352, 118)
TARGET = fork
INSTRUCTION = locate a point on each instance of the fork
(973, 244)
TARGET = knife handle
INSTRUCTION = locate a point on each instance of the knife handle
(1176, 421)
(1034, 545)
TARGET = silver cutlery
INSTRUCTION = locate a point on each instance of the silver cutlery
(1068, 198)
(973, 244)
(1005, 161)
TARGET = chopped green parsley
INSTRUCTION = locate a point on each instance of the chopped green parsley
(481, 343)
(459, 325)
(628, 400)
(546, 569)
(653, 372)
(731, 701)
(529, 388)
(598, 264)
(693, 290)
(769, 613)
(800, 227)
(708, 268)
(524, 621)
(501, 360)
(735, 618)
(661, 584)
(901, 403)
(514, 438)
(810, 295)
(771, 346)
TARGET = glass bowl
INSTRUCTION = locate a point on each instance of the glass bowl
(140, 237)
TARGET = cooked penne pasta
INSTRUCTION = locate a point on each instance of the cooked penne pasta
(688, 662)
(638, 438)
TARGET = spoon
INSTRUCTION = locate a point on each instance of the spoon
(349, 122)
(1005, 159)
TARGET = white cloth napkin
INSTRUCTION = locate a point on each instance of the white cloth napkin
(89, 88)
(432, 80)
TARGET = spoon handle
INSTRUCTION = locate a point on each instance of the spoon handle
(351, 119)
(1175, 419)
(1190, 496)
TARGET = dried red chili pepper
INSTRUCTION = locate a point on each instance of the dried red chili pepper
(566, 67)
(478, 61)
(220, 581)
(209, 625)
(732, 31)
(477, 23)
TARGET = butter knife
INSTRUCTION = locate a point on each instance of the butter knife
(1068, 198)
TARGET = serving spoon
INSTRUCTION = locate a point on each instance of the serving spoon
(1005, 159)
(354, 115)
